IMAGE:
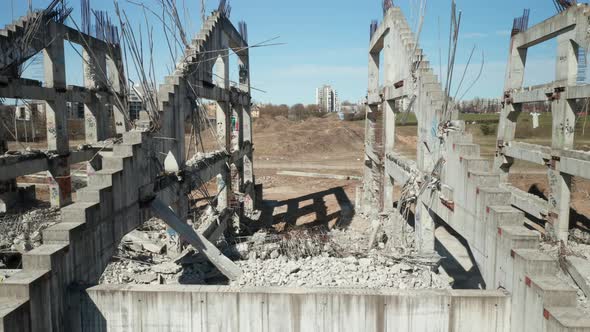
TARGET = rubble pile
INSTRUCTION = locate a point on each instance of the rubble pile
(374, 271)
(23, 232)
(145, 256)
(300, 257)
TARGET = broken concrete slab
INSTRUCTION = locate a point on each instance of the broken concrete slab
(224, 264)
(141, 239)
(579, 270)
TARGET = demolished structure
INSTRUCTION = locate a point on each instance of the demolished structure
(451, 184)
(137, 170)
(140, 168)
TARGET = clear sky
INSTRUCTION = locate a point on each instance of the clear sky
(327, 41)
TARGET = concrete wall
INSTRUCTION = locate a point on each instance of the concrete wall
(212, 308)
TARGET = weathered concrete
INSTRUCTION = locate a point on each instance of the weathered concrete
(203, 308)
(468, 194)
(125, 177)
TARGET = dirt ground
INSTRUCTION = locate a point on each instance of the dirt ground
(328, 145)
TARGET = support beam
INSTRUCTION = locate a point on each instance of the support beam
(60, 184)
(95, 111)
(199, 242)
(563, 130)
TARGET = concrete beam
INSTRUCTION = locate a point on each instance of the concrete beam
(198, 241)
(533, 153)
(12, 167)
(546, 30)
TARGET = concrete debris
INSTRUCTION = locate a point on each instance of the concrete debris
(167, 268)
(23, 232)
(300, 257)
(143, 242)
(375, 271)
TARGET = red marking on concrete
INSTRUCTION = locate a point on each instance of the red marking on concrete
(512, 253)
(499, 231)
(546, 314)
(527, 281)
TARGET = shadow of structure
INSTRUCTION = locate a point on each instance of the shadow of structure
(329, 208)
(577, 220)
(452, 249)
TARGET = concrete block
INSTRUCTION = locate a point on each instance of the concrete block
(509, 238)
(81, 212)
(103, 196)
(15, 315)
(63, 232)
(32, 286)
(566, 319)
(541, 292)
(496, 217)
(102, 178)
(527, 262)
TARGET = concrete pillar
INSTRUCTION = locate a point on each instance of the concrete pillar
(246, 133)
(509, 115)
(95, 111)
(116, 76)
(60, 184)
(389, 130)
(372, 172)
(223, 111)
(55, 77)
(223, 134)
(424, 228)
(563, 131)
(506, 133)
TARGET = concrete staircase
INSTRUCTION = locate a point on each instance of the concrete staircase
(76, 251)
(12, 51)
(506, 251)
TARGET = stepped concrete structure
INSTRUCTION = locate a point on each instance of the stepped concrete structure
(125, 173)
(144, 167)
(458, 188)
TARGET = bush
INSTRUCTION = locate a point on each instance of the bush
(488, 129)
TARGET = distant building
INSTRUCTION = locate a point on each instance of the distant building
(327, 99)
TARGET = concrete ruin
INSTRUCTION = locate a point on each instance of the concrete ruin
(450, 184)
(144, 171)
(126, 175)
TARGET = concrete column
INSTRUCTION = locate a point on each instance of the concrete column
(424, 228)
(246, 133)
(95, 112)
(117, 81)
(563, 131)
(372, 164)
(223, 134)
(235, 130)
(60, 183)
(372, 174)
(506, 133)
(509, 115)
(388, 183)
(55, 77)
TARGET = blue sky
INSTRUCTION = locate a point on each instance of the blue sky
(327, 40)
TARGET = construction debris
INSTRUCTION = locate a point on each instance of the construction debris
(23, 232)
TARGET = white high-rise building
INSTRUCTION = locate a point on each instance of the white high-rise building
(327, 99)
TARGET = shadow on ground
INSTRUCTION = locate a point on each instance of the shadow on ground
(310, 211)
